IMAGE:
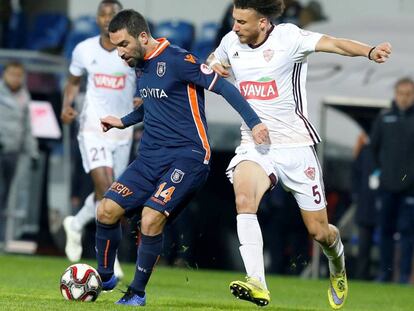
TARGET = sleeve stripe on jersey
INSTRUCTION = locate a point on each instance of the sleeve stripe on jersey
(202, 133)
(213, 82)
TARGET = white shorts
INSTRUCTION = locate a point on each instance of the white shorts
(99, 152)
(297, 168)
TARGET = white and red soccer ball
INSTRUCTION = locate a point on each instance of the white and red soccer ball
(80, 282)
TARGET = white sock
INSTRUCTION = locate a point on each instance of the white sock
(335, 254)
(85, 214)
(251, 246)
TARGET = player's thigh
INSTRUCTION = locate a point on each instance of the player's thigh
(95, 152)
(121, 154)
(177, 186)
(250, 182)
(299, 171)
(102, 178)
(132, 188)
(252, 173)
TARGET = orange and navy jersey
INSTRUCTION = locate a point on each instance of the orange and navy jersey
(171, 82)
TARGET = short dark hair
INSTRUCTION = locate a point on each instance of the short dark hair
(115, 2)
(268, 8)
(14, 64)
(130, 20)
(405, 80)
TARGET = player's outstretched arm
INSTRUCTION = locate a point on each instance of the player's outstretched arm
(260, 131)
(109, 122)
(71, 90)
(134, 117)
(378, 54)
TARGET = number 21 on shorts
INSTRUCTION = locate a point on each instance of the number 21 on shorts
(97, 154)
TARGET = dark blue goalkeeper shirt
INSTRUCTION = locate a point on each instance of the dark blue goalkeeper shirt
(171, 82)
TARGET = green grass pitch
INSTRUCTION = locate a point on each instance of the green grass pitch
(32, 283)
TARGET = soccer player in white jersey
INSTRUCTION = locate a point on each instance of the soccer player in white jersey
(110, 90)
(269, 64)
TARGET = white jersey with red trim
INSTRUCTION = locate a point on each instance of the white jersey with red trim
(110, 88)
(272, 78)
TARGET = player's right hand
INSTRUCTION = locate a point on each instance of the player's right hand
(381, 52)
(109, 122)
(260, 134)
(221, 70)
(68, 114)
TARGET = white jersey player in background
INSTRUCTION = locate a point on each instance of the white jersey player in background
(269, 64)
(109, 91)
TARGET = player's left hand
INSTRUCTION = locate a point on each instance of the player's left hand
(138, 101)
(221, 70)
(109, 122)
(260, 134)
(381, 53)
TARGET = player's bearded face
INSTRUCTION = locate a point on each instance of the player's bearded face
(139, 53)
(135, 56)
(129, 48)
(246, 25)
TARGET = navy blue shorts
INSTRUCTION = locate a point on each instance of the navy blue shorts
(166, 186)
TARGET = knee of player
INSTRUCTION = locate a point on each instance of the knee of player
(319, 232)
(107, 213)
(245, 203)
(152, 223)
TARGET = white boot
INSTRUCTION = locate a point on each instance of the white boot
(117, 269)
(73, 248)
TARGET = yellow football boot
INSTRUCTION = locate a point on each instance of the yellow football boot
(251, 290)
(338, 290)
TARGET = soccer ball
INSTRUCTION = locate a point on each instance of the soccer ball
(80, 282)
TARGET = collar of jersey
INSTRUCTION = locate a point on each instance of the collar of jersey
(265, 39)
(162, 45)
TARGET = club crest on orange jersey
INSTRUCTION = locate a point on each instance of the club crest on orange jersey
(177, 176)
(310, 173)
(161, 69)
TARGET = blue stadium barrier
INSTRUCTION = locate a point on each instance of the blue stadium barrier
(204, 44)
(208, 31)
(48, 32)
(15, 36)
(202, 49)
(82, 28)
(180, 33)
(85, 24)
(72, 40)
